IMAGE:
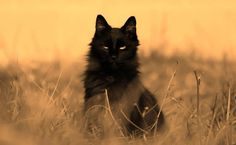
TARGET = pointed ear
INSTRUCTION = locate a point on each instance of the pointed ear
(101, 23)
(130, 25)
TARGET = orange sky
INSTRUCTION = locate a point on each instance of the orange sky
(47, 29)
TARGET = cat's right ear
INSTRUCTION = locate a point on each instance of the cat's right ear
(130, 25)
(101, 24)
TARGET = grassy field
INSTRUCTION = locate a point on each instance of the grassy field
(41, 103)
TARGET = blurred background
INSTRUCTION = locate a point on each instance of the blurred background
(58, 29)
(43, 44)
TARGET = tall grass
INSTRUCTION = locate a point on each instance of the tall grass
(42, 103)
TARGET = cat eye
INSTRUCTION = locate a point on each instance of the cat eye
(123, 48)
(105, 47)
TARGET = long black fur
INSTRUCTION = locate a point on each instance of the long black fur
(113, 66)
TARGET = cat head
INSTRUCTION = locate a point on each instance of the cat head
(114, 47)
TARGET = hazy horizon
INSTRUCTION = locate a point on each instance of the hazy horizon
(45, 30)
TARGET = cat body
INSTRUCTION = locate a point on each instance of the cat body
(115, 98)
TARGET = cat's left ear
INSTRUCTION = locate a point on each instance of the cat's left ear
(130, 25)
(101, 24)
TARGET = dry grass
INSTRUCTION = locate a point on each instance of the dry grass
(42, 103)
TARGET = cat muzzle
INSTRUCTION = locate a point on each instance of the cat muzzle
(113, 57)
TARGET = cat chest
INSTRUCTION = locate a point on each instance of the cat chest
(109, 114)
(114, 105)
(120, 95)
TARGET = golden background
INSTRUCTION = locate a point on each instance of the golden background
(46, 30)
(43, 45)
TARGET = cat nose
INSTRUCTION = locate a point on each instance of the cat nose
(113, 56)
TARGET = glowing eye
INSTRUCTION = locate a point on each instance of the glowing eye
(123, 48)
(105, 47)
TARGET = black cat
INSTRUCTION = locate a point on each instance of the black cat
(115, 98)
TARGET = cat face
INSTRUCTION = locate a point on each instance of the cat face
(114, 46)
